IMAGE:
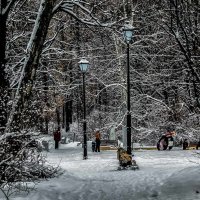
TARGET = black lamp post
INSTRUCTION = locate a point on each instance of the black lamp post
(83, 63)
(128, 33)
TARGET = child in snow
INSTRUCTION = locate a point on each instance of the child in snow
(93, 145)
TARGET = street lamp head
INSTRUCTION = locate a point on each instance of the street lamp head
(83, 63)
(128, 32)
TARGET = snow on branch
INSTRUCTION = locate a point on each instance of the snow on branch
(5, 10)
(37, 24)
(68, 7)
(161, 103)
(111, 85)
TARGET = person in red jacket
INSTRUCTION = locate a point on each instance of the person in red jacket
(57, 138)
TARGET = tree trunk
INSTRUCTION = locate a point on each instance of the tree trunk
(34, 48)
(4, 84)
(33, 51)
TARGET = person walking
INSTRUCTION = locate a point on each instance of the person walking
(57, 137)
(185, 144)
(170, 142)
(98, 141)
(198, 145)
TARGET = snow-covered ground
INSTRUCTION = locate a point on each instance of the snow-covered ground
(163, 175)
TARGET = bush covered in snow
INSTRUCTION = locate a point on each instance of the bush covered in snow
(21, 161)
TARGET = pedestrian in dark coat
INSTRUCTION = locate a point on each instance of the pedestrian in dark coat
(198, 145)
(98, 141)
(185, 144)
(57, 138)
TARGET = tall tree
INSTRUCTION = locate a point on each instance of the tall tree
(5, 6)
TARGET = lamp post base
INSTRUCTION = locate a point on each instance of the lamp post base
(84, 141)
(129, 150)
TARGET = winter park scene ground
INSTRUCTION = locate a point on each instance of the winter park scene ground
(163, 175)
(121, 76)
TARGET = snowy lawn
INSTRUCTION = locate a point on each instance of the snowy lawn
(163, 175)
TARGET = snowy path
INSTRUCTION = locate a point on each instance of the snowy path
(163, 175)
